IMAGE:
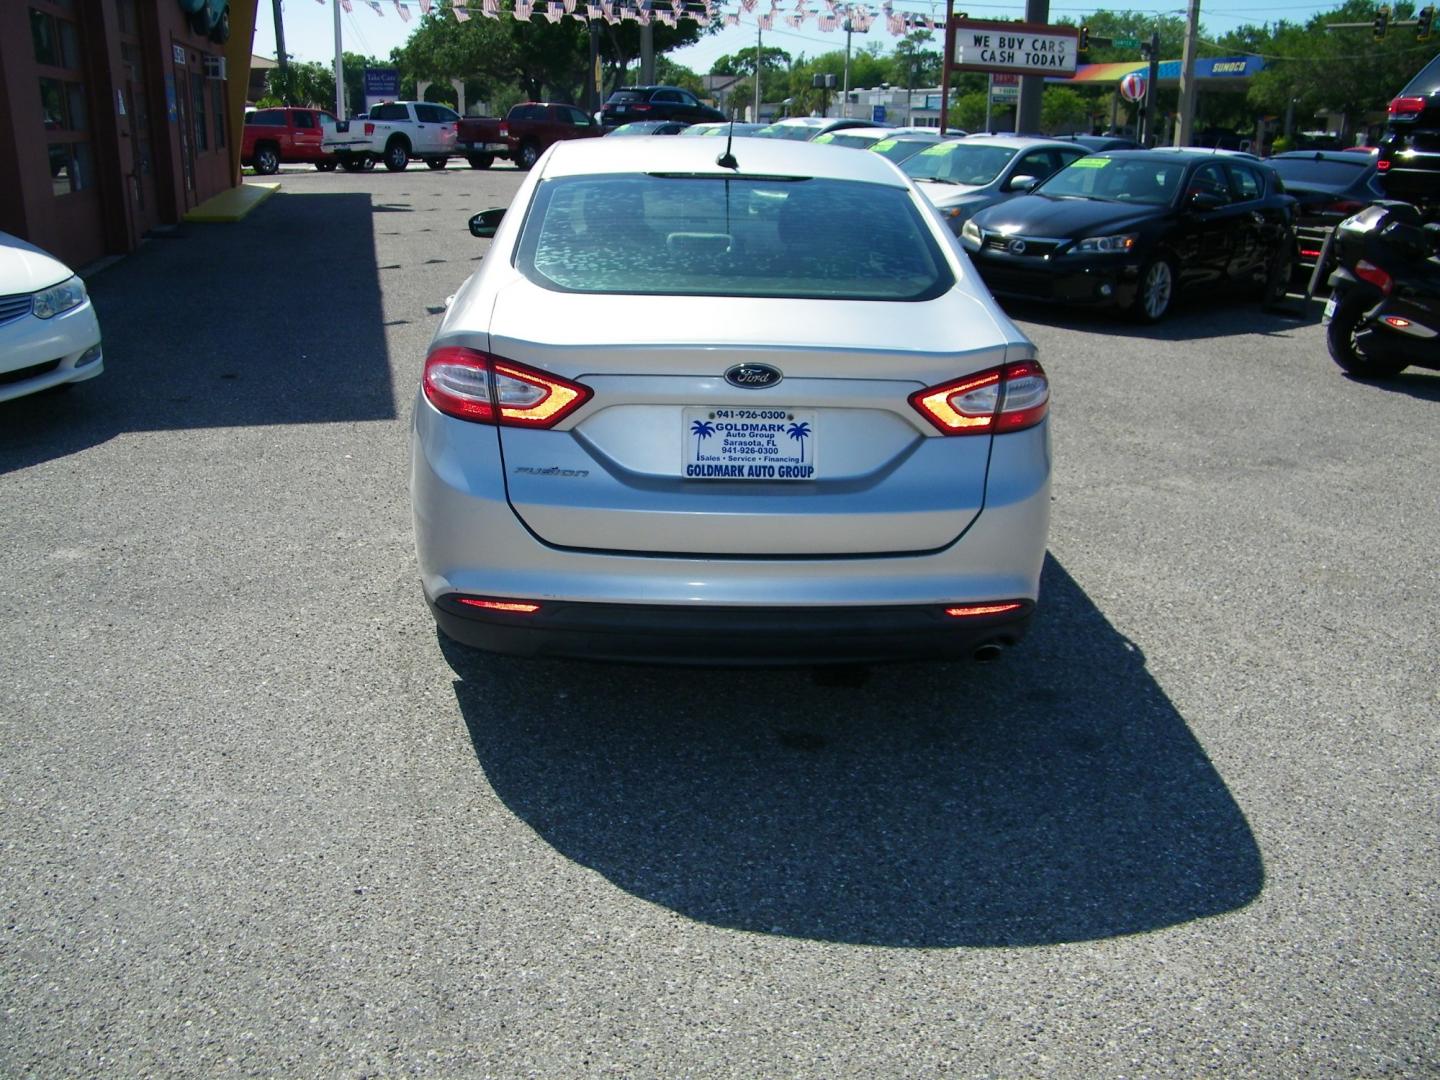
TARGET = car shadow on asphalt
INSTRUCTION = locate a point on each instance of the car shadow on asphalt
(1055, 796)
(274, 320)
(1192, 318)
(1421, 383)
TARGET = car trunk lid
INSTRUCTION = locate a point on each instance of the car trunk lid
(660, 460)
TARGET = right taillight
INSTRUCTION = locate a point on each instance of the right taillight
(1011, 397)
(484, 389)
(1406, 108)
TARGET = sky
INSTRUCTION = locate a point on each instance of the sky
(310, 31)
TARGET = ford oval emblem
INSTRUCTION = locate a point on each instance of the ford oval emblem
(753, 376)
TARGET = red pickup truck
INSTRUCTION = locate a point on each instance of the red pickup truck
(526, 132)
(276, 135)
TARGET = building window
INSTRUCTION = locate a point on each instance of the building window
(64, 101)
(197, 85)
(219, 101)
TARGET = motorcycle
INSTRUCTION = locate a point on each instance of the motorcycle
(1383, 314)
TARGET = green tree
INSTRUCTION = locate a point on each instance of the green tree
(545, 60)
(1131, 24)
(1346, 71)
(301, 83)
(772, 60)
(912, 63)
(967, 112)
(1063, 110)
(673, 74)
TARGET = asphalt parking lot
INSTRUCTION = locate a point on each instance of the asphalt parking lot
(259, 820)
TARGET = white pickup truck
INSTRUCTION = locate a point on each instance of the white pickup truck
(394, 132)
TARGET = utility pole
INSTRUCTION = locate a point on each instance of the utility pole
(845, 111)
(647, 54)
(339, 67)
(1185, 130)
(593, 97)
(1032, 87)
(1151, 51)
(280, 58)
(756, 118)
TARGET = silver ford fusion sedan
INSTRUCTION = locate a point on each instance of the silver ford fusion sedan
(741, 403)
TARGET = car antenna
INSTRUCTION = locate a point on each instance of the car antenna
(727, 159)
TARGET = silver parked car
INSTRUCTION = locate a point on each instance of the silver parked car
(671, 419)
(961, 177)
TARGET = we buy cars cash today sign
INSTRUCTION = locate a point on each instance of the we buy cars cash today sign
(1018, 48)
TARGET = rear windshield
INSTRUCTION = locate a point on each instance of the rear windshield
(959, 162)
(842, 138)
(1426, 82)
(900, 149)
(795, 132)
(721, 236)
(1330, 174)
(625, 97)
(1134, 180)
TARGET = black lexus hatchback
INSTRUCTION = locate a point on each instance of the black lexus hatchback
(1131, 228)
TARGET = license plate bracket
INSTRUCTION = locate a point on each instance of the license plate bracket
(731, 443)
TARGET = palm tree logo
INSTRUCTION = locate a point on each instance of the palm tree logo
(799, 432)
(701, 429)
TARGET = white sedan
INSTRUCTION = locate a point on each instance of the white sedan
(49, 336)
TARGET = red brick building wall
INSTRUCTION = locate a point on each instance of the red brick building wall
(113, 120)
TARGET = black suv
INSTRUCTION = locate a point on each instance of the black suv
(1409, 162)
(655, 103)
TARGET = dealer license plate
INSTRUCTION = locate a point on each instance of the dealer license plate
(748, 444)
(1329, 310)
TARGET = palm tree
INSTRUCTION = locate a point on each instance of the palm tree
(801, 432)
(701, 429)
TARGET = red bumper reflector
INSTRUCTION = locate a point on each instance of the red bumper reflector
(972, 610)
(517, 607)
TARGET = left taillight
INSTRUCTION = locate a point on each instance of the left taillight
(1406, 108)
(471, 385)
(1011, 397)
(1365, 270)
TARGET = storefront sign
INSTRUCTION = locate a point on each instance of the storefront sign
(382, 83)
(1021, 48)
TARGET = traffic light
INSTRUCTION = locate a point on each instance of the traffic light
(1424, 19)
(1382, 22)
(1145, 50)
(1085, 37)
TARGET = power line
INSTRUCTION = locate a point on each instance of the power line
(1313, 59)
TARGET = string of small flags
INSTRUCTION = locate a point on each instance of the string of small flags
(829, 17)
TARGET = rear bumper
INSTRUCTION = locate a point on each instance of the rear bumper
(488, 146)
(728, 636)
(718, 609)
